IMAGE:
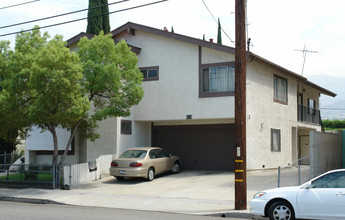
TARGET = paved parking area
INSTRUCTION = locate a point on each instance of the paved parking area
(192, 192)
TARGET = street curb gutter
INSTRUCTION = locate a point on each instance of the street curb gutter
(47, 201)
(26, 200)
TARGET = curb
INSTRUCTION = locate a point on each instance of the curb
(27, 200)
(47, 201)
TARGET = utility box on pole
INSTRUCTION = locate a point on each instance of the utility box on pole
(240, 106)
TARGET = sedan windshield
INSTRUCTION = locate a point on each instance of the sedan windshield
(134, 154)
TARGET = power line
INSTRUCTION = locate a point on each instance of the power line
(55, 16)
(10, 6)
(333, 109)
(66, 22)
(217, 22)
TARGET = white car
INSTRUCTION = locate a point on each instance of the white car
(320, 198)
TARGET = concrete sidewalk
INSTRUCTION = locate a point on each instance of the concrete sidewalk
(189, 192)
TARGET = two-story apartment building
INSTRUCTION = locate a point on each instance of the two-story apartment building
(188, 106)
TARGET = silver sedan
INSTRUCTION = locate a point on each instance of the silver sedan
(144, 162)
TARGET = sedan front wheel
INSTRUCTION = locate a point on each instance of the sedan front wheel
(281, 210)
(176, 168)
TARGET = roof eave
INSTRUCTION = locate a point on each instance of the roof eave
(294, 75)
(129, 25)
(321, 89)
(77, 38)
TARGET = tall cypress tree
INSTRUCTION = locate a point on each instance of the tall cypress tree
(219, 36)
(105, 17)
(98, 18)
(94, 21)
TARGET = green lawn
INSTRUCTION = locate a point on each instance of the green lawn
(41, 177)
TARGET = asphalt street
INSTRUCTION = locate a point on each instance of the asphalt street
(29, 211)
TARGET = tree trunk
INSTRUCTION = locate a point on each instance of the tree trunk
(74, 131)
(56, 145)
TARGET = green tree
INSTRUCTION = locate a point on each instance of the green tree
(335, 124)
(219, 35)
(105, 16)
(98, 17)
(42, 86)
(47, 86)
(94, 18)
(172, 29)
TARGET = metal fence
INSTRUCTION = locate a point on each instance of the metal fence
(7, 158)
(307, 114)
(289, 172)
(17, 173)
(49, 176)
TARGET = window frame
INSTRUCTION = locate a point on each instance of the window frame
(311, 106)
(324, 182)
(147, 69)
(275, 90)
(126, 123)
(273, 149)
(214, 94)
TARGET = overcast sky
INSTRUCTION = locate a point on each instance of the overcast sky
(277, 27)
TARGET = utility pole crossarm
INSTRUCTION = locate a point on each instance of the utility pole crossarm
(305, 51)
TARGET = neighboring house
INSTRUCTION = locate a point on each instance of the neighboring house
(188, 106)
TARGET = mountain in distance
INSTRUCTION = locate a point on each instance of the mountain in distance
(331, 108)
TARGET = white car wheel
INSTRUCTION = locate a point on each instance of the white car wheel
(281, 210)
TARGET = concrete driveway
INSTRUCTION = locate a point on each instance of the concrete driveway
(191, 192)
(197, 192)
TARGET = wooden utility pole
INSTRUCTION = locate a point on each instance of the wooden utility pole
(240, 106)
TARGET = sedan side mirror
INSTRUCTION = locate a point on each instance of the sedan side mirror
(307, 186)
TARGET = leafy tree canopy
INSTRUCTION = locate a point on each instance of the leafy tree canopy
(333, 124)
(45, 85)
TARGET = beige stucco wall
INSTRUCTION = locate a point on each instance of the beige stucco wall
(263, 114)
(106, 143)
(176, 93)
(140, 137)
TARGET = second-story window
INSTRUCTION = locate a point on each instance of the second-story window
(217, 80)
(150, 73)
(311, 107)
(280, 89)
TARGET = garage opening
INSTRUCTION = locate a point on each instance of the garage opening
(201, 147)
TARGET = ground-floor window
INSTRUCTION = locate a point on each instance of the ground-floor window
(275, 140)
(126, 127)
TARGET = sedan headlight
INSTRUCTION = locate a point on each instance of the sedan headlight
(258, 195)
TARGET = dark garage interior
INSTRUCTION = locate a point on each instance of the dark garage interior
(201, 147)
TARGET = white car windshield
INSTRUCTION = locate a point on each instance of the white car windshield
(134, 154)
